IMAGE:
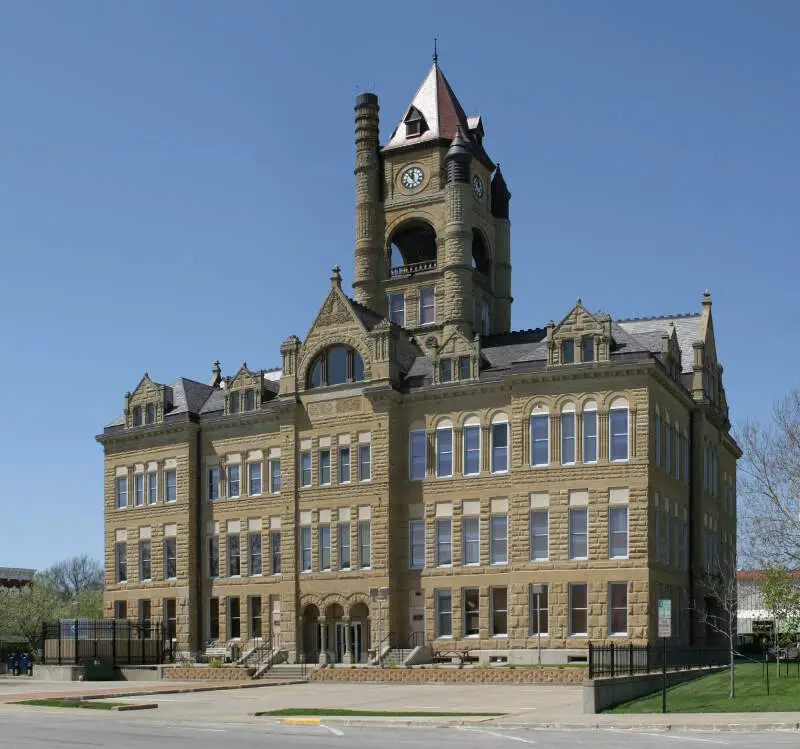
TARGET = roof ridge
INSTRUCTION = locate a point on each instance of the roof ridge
(681, 315)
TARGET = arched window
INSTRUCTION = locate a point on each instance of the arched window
(618, 430)
(481, 261)
(414, 241)
(589, 423)
(444, 448)
(540, 436)
(336, 365)
(568, 434)
(471, 437)
(499, 447)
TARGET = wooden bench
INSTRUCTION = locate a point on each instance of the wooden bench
(462, 655)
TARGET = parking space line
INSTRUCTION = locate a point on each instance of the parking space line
(496, 735)
(334, 731)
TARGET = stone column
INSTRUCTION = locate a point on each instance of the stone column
(323, 641)
(300, 646)
(347, 658)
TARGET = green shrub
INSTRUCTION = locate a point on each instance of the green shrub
(215, 663)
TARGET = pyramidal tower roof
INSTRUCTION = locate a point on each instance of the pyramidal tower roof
(438, 105)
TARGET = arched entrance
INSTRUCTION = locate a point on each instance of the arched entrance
(335, 633)
(310, 633)
(360, 638)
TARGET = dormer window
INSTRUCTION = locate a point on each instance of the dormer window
(233, 403)
(567, 351)
(150, 413)
(137, 416)
(587, 348)
(445, 370)
(415, 123)
(336, 365)
(249, 399)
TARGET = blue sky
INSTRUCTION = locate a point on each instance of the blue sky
(176, 183)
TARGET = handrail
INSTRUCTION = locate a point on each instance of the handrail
(409, 269)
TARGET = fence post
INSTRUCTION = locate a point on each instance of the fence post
(591, 662)
(647, 658)
(75, 655)
(630, 659)
(611, 652)
(59, 642)
(114, 641)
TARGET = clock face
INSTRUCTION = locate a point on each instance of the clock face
(477, 186)
(412, 177)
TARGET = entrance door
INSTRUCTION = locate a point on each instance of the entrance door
(355, 629)
(275, 620)
(340, 646)
(417, 628)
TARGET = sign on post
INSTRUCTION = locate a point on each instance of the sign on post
(664, 617)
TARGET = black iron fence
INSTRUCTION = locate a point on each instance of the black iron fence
(121, 641)
(630, 660)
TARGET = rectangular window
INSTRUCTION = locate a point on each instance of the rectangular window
(233, 402)
(539, 623)
(471, 540)
(364, 462)
(324, 534)
(587, 348)
(618, 532)
(254, 478)
(213, 556)
(397, 308)
(618, 608)
(445, 370)
(275, 476)
(589, 436)
(152, 487)
(145, 614)
(464, 368)
(658, 533)
(234, 618)
(498, 539)
(578, 533)
(686, 458)
(305, 548)
(677, 471)
(275, 553)
(324, 467)
(249, 399)
(213, 483)
(657, 439)
(170, 558)
(444, 542)
(539, 440)
(667, 450)
(499, 448)
(472, 450)
(667, 535)
(568, 438)
(444, 613)
(138, 489)
(254, 616)
(305, 469)
(540, 541)
(416, 539)
(676, 531)
(499, 608)
(170, 485)
(234, 556)
(472, 612)
(364, 544)
(444, 452)
(254, 553)
(137, 416)
(343, 540)
(568, 351)
(427, 312)
(169, 612)
(120, 609)
(122, 492)
(150, 413)
(578, 607)
(344, 465)
(145, 559)
(417, 450)
(121, 556)
(618, 427)
(233, 481)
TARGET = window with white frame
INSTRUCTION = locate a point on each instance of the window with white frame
(444, 542)
(364, 532)
(539, 623)
(397, 308)
(305, 548)
(568, 434)
(275, 552)
(170, 485)
(471, 436)
(212, 547)
(305, 469)
(618, 430)
(152, 487)
(254, 553)
(540, 537)
(417, 454)
(464, 368)
(364, 462)
(145, 559)
(254, 478)
(170, 558)
(138, 489)
(589, 430)
(498, 602)
(472, 611)
(499, 446)
(416, 541)
(444, 449)
(498, 539)
(324, 467)
(618, 532)
(343, 543)
(344, 464)
(470, 540)
(121, 560)
(122, 492)
(275, 476)
(578, 533)
(618, 608)
(443, 603)
(324, 535)
(540, 442)
(234, 480)
(578, 608)
(212, 483)
(234, 555)
(427, 305)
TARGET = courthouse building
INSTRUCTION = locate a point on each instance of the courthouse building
(414, 467)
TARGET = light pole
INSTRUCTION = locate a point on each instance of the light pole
(379, 595)
(538, 591)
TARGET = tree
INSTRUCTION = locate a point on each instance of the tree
(782, 600)
(23, 610)
(770, 486)
(72, 577)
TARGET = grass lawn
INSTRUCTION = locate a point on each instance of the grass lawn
(87, 704)
(322, 711)
(709, 694)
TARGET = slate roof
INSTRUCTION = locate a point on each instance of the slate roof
(649, 329)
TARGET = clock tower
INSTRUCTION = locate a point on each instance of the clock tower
(432, 249)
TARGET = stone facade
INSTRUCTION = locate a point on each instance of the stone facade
(415, 460)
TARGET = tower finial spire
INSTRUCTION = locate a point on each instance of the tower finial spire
(435, 52)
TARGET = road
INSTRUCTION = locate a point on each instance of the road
(46, 729)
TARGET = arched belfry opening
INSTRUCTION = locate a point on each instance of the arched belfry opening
(481, 261)
(412, 242)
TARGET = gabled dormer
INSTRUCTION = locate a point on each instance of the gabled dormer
(580, 337)
(456, 359)
(671, 352)
(244, 391)
(148, 403)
